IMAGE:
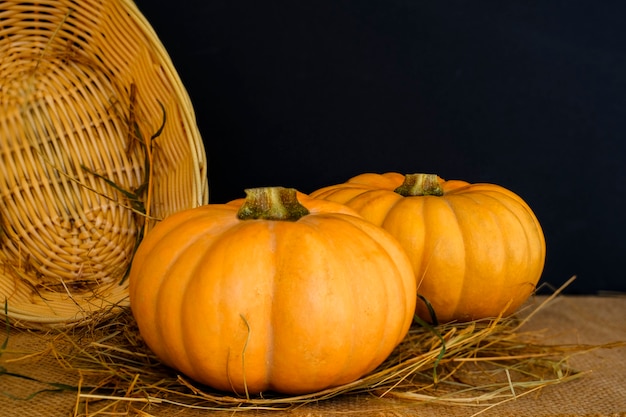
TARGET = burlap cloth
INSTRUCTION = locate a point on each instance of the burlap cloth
(567, 319)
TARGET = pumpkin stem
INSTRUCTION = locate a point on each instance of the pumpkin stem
(271, 203)
(419, 185)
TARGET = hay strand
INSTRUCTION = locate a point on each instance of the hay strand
(477, 364)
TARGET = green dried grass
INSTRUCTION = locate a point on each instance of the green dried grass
(478, 364)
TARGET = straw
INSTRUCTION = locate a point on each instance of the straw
(477, 364)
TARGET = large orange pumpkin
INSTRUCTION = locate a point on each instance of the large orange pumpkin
(477, 249)
(271, 295)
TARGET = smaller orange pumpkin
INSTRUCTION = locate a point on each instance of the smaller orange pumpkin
(271, 294)
(477, 250)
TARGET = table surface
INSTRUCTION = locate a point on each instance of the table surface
(582, 320)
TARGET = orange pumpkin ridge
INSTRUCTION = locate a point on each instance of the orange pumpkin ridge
(242, 302)
(477, 250)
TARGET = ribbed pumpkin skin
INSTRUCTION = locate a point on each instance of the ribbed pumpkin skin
(263, 305)
(478, 251)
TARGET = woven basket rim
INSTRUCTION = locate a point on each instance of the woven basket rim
(183, 185)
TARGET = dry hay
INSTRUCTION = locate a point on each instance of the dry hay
(480, 363)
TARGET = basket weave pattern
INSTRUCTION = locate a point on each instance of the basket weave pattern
(85, 87)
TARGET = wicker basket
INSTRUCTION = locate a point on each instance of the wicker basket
(98, 141)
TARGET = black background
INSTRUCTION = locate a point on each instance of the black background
(530, 95)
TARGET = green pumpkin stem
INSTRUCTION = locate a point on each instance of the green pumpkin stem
(271, 203)
(419, 185)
